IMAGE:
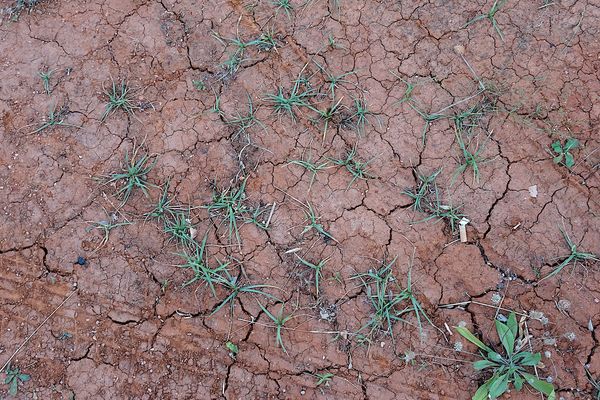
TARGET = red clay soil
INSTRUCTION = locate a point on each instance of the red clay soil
(131, 329)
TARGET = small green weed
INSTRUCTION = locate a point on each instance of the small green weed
(134, 173)
(295, 99)
(327, 115)
(199, 84)
(358, 119)
(323, 378)
(358, 169)
(285, 6)
(470, 158)
(14, 378)
(164, 208)
(243, 122)
(233, 349)
(562, 153)
(45, 77)
(179, 228)
(228, 205)
(428, 118)
(312, 167)
(389, 301)
(312, 219)
(333, 81)
(55, 118)
(317, 268)
(280, 320)
(595, 383)
(106, 226)
(118, 98)
(491, 16)
(510, 367)
(233, 285)
(574, 257)
(427, 200)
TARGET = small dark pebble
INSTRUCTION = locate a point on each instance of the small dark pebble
(80, 261)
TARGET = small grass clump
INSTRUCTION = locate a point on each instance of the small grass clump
(45, 77)
(312, 167)
(428, 118)
(562, 152)
(323, 378)
(358, 169)
(313, 224)
(390, 303)
(333, 81)
(55, 118)
(427, 200)
(227, 204)
(491, 16)
(14, 378)
(358, 120)
(327, 116)
(243, 122)
(14, 12)
(106, 226)
(179, 228)
(164, 207)
(509, 367)
(285, 6)
(233, 285)
(119, 97)
(317, 268)
(594, 382)
(470, 158)
(196, 261)
(279, 320)
(134, 174)
(288, 104)
(574, 257)
(199, 84)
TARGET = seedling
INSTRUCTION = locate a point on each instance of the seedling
(427, 200)
(358, 169)
(118, 98)
(284, 5)
(216, 108)
(228, 205)
(134, 174)
(55, 118)
(595, 383)
(233, 349)
(317, 268)
(509, 367)
(296, 98)
(312, 219)
(266, 41)
(563, 152)
(233, 285)
(358, 120)
(163, 208)
(428, 118)
(313, 167)
(45, 77)
(327, 115)
(257, 215)
(491, 16)
(15, 11)
(574, 257)
(323, 378)
(106, 226)
(407, 96)
(199, 84)
(279, 321)
(333, 81)
(14, 378)
(470, 158)
(179, 228)
(389, 302)
(197, 262)
(243, 122)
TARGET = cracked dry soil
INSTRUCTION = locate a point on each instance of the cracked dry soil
(132, 331)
